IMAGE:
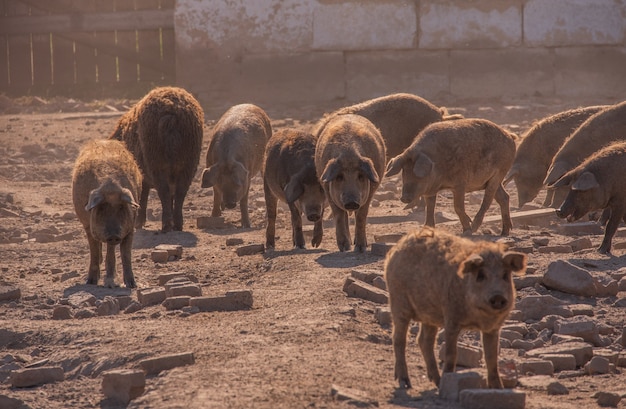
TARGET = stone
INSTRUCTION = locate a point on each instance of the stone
(580, 228)
(366, 275)
(379, 282)
(123, 385)
(151, 296)
(165, 277)
(562, 249)
(580, 244)
(133, 307)
(388, 238)
(234, 241)
(24, 378)
(174, 251)
(541, 241)
(535, 307)
(557, 388)
(380, 249)
(360, 289)
(510, 335)
(560, 362)
(621, 285)
(354, 396)
(162, 363)
(383, 315)
(582, 351)
(452, 383)
(108, 306)
(536, 367)
(62, 312)
(7, 402)
(598, 365)
(84, 313)
(232, 301)
(466, 355)
(176, 302)
(191, 290)
(250, 249)
(527, 281)
(492, 398)
(207, 222)
(82, 299)
(9, 293)
(159, 256)
(606, 286)
(535, 382)
(607, 399)
(582, 327)
(570, 279)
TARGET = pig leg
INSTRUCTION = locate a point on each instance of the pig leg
(95, 258)
(296, 226)
(360, 239)
(401, 372)
(426, 341)
(217, 202)
(109, 279)
(342, 231)
(140, 221)
(451, 337)
(547, 202)
(179, 198)
(491, 343)
(245, 217)
(490, 191)
(459, 207)
(318, 231)
(127, 268)
(502, 198)
(166, 197)
(430, 210)
(610, 229)
(270, 202)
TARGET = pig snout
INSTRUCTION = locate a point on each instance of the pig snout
(352, 205)
(230, 205)
(113, 239)
(498, 302)
(313, 217)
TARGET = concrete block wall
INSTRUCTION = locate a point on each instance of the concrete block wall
(336, 52)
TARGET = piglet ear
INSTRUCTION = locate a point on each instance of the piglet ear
(556, 171)
(423, 165)
(470, 265)
(209, 176)
(516, 261)
(565, 180)
(367, 167)
(331, 171)
(395, 165)
(514, 171)
(127, 197)
(294, 189)
(95, 198)
(586, 181)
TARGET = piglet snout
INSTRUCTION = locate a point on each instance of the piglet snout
(498, 302)
(352, 206)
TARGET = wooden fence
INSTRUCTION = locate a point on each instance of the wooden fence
(89, 48)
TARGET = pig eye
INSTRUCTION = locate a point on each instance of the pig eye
(480, 276)
(506, 276)
(339, 177)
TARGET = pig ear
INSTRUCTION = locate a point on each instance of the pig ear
(209, 176)
(331, 171)
(294, 189)
(586, 181)
(565, 180)
(395, 165)
(367, 167)
(127, 197)
(95, 198)
(423, 165)
(515, 260)
(470, 265)
(512, 173)
(556, 171)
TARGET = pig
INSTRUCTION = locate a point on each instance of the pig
(164, 133)
(350, 161)
(537, 149)
(235, 156)
(106, 181)
(399, 117)
(289, 175)
(442, 280)
(606, 126)
(597, 183)
(464, 155)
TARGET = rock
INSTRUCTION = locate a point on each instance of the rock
(24, 378)
(606, 286)
(535, 307)
(383, 315)
(205, 222)
(360, 289)
(232, 301)
(379, 282)
(61, 312)
(621, 285)
(527, 281)
(388, 238)
(492, 398)
(466, 355)
(561, 362)
(250, 249)
(108, 306)
(582, 327)
(151, 296)
(535, 382)
(568, 278)
(162, 363)
(536, 367)
(367, 275)
(9, 293)
(7, 402)
(580, 228)
(582, 351)
(234, 241)
(165, 277)
(174, 251)
(452, 383)
(598, 365)
(176, 302)
(580, 244)
(133, 307)
(123, 385)
(541, 241)
(82, 299)
(380, 249)
(557, 388)
(84, 313)
(159, 256)
(607, 399)
(510, 335)
(353, 396)
(191, 290)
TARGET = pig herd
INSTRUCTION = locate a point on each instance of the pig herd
(579, 155)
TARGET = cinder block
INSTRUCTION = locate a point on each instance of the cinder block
(176, 302)
(454, 25)
(23, 378)
(360, 289)
(165, 277)
(466, 355)
(383, 315)
(232, 301)
(381, 249)
(159, 256)
(191, 290)
(207, 222)
(151, 296)
(582, 351)
(452, 383)
(234, 241)
(536, 367)
(162, 363)
(174, 251)
(492, 398)
(561, 362)
(250, 249)
(123, 385)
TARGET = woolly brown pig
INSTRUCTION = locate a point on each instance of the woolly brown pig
(289, 175)
(164, 133)
(105, 182)
(537, 149)
(234, 156)
(608, 125)
(464, 156)
(399, 117)
(446, 281)
(350, 160)
(597, 183)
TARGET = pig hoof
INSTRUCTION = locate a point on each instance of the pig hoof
(467, 232)
(92, 281)
(603, 250)
(360, 248)
(405, 383)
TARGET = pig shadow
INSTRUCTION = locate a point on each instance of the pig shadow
(272, 254)
(145, 239)
(346, 259)
(423, 399)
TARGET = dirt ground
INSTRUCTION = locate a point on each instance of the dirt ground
(303, 335)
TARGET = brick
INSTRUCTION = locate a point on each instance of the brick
(191, 290)
(452, 383)
(536, 367)
(580, 244)
(360, 289)
(151, 296)
(232, 301)
(579, 228)
(174, 251)
(123, 385)
(159, 256)
(176, 302)
(9, 293)
(165, 277)
(340, 26)
(492, 398)
(366, 275)
(24, 378)
(207, 222)
(466, 355)
(380, 249)
(454, 25)
(234, 241)
(383, 315)
(162, 363)
(582, 351)
(388, 238)
(250, 249)
(558, 23)
(561, 362)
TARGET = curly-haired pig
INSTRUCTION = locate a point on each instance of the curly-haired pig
(350, 161)
(464, 155)
(289, 175)
(164, 133)
(235, 155)
(537, 149)
(399, 117)
(105, 182)
(442, 280)
(597, 183)
(599, 130)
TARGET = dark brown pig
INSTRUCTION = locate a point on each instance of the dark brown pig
(464, 156)
(442, 280)
(350, 161)
(537, 149)
(289, 175)
(399, 117)
(608, 125)
(235, 155)
(105, 182)
(597, 183)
